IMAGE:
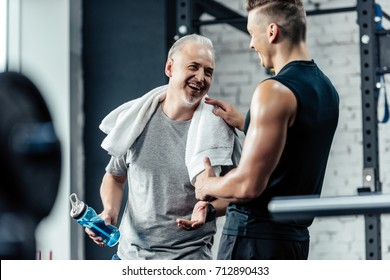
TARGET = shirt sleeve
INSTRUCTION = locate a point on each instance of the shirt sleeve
(236, 155)
(117, 166)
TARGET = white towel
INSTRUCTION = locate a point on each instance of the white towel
(208, 134)
(124, 124)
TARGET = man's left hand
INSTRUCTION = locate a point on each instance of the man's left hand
(198, 217)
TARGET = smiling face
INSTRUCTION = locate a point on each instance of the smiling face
(257, 28)
(190, 71)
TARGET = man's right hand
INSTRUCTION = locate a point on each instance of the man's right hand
(97, 239)
(227, 112)
(108, 221)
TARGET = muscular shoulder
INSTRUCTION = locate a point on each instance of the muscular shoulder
(275, 100)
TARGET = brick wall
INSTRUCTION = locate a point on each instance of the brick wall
(333, 42)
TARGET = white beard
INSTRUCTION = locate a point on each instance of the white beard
(191, 101)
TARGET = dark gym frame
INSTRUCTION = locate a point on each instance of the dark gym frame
(374, 62)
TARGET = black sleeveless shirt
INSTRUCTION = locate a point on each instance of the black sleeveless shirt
(302, 165)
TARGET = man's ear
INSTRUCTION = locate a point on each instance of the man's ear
(168, 67)
(273, 32)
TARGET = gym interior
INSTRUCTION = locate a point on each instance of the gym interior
(89, 56)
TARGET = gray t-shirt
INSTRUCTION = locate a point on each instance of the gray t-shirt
(159, 192)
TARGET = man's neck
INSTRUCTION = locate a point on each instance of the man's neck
(176, 110)
(289, 54)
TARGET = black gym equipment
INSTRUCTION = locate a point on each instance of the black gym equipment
(30, 165)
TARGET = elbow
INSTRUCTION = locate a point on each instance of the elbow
(249, 195)
(249, 192)
(247, 186)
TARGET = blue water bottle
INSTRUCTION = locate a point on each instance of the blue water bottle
(87, 217)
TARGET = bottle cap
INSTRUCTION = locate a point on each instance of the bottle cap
(78, 207)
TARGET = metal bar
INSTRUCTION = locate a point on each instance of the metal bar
(303, 207)
(221, 12)
(384, 51)
(382, 71)
(369, 78)
(307, 207)
(184, 18)
(227, 20)
(369, 53)
(372, 224)
(330, 11)
(383, 32)
(77, 172)
(385, 15)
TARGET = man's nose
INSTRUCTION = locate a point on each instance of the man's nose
(200, 75)
(251, 45)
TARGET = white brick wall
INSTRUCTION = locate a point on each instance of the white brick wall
(333, 42)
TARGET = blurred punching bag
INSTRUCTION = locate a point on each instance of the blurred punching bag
(30, 165)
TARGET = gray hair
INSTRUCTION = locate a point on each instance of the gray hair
(193, 39)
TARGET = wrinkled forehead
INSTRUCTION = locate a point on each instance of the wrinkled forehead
(196, 53)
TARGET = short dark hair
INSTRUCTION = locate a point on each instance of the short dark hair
(289, 15)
